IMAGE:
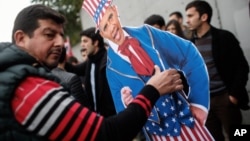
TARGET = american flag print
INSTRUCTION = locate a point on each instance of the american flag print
(171, 119)
(197, 133)
(168, 115)
(96, 8)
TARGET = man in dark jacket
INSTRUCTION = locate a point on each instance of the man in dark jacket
(227, 66)
(94, 72)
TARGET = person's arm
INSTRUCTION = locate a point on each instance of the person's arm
(238, 74)
(44, 108)
(78, 69)
(125, 125)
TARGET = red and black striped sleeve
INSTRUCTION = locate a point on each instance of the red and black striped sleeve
(125, 125)
(46, 109)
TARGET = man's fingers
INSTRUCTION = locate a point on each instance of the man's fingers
(157, 69)
(177, 81)
(166, 81)
(179, 87)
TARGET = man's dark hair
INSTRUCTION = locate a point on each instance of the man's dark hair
(27, 19)
(202, 7)
(155, 19)
(177, 13)
(93, 35)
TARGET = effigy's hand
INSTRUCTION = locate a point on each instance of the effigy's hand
(126, 95)
(199, 114)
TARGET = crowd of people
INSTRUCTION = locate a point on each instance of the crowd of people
(159, 81)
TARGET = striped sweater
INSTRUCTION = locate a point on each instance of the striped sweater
(35, 107)
(46, 109)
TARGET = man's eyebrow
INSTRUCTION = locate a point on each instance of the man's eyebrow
(48, 29)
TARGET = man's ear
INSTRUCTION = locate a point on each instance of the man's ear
(19, 38)
(204, 17)
(96, 43)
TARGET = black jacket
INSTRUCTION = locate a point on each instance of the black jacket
(12, 72)
(105, 104)
(231, 64)
(73, 83)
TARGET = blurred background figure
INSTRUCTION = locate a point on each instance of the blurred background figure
(156, 20)
(174, 27)
(227, 67)
(93, 72)
(176, 15)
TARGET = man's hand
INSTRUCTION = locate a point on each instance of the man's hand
(166, 81)
(233, 100)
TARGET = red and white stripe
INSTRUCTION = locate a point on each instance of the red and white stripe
(198, 133)
(91, 7)
(36, 96)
